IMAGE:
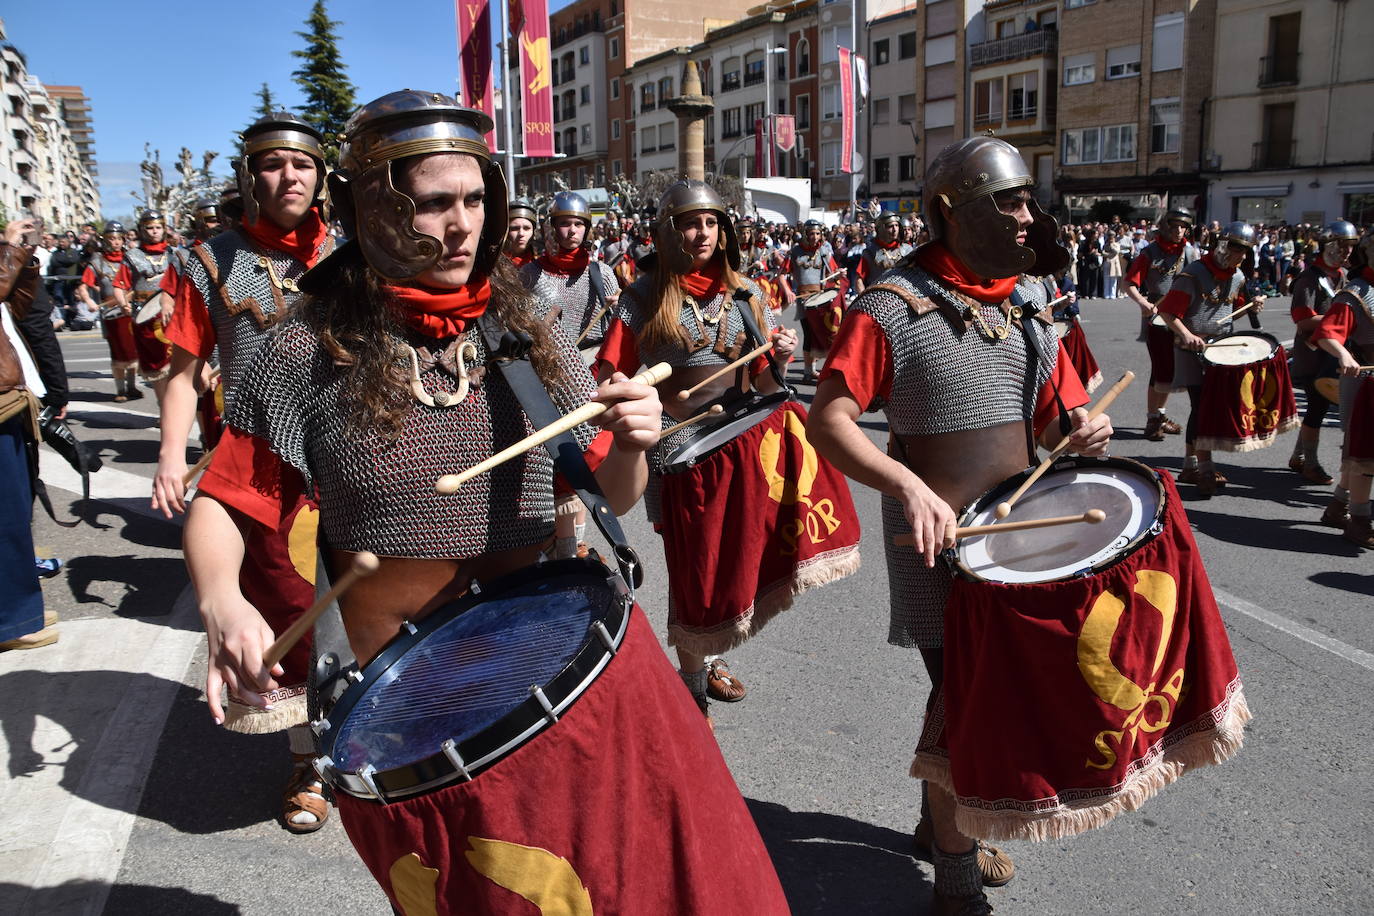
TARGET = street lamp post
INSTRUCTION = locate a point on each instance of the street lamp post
(768, 108)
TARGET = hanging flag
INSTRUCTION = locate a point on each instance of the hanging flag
(785, 132)
(761, 148)
(474, 56)
(536, 78)
(846, 110)
(861, 70)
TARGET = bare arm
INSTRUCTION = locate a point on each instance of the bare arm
(1135, 295)
(635, 422)
(178, 413)
(1349, 364)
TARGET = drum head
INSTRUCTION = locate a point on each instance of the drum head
(824, 297)
(150, 310)
(735, 421)
(1062, 328)
(1128, 492)
(1253, 348)
(468, 666)
(1158, 321)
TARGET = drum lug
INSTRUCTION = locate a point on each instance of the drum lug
(324, 766)
(543, 701)
(408, 628)
(450, 749)
(604, 635)
(320, 726)
(355, 676)
(366, 774)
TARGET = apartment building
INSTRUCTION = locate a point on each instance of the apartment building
(1127, 114)
(894, 129)
(1290, 136)
(44, 168)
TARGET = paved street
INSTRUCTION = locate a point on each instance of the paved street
(123, 798)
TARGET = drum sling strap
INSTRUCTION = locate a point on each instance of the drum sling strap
(511, 352)
(744, 301)
(1035, 354)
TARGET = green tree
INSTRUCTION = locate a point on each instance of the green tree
(266, 104)
(323, 79)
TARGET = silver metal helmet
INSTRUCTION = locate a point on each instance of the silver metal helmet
(687, 196)
(1239, 234)
(147, 219)
(570, 203)
(381, 218)
(522, 209)
(1179, 215)
(1338, 238)
(965, 177)
(278, 130)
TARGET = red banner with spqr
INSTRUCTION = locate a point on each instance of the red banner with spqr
(536, 77)
(474, 56)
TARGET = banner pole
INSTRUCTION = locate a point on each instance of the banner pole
(507, 97)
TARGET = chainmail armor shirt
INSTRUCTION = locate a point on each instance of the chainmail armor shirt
(944, 380)
(810, 268)
(884, 259)
(1211, 301)
(573, 295)
(146, 269)
(634, 309)
(1164, 267)
(379, 495)
(106, 272)
(239, 336)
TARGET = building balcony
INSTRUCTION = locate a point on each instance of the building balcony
(1044, 43)
(1278, 71)
(1271, 155)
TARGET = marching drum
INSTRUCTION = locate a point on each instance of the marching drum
(701, 441)
(151, 309)
(467, 685)
(1247, 394)
(820, 299)
(1089, 662)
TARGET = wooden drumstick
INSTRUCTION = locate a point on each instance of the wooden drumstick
(1053, 302)
(591, 323)
(200, 465)
(450, 483)
(758, 351)
(715, 410)
(1092, 517)
(364, 564)
(1237, 312)
(1227, 343)
(1004, 508)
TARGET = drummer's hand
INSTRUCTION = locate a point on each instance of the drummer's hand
(1071, 297)
(1349, 364)
(1257, 304)
(785, 344)
(1091, 435)
(931, 519)
(237, 637)
(167, 305)
(1148, 311)
(169, 489)
(635, 416)
(1187, 340)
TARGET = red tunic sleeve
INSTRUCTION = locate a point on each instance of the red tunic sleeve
(1071, 392)
(191, 328)
(170, 281)
(1176, 302)
(619, 350)
(1139, 269)
(248, 476)
(863, 356)
(88, 277)
(862, 268)
(1337, 324)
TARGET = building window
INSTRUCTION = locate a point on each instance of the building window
(648, 138)
(1075, 4)
(1166, 49)
(882, 110)
(803, 112)
(987, 102)
(1277, 147)
(616, 167)
(1098, 144)
(1258, 209)
(667, 136)
(1279, 67)
(753, 68)
(584, 55)
(803, 57)
(882, 170)
(665, 88)
(881, 52)
(906, 46)
(587, 134)
(1359, 208)
(1079, 69)
(581, 178)
(646, 97)
(1123, 62)
(830, 158)
(585, 96)
(1118, 143)
(1023, 96)
(614, 52)
(906, 107)
(752, 115)
(1164, 126)
(729, 75)
(615, 130)
(832, 39)
(906, 168)
(615, 87)
(707, 75)
(1080, 147)
(830, 102)
(729, 123)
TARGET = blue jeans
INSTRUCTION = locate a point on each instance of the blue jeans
(21, 597)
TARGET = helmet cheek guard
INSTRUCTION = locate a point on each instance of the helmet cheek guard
(986, 240)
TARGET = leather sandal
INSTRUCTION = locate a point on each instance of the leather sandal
(722, 685)
(995, 865)
(304, 807)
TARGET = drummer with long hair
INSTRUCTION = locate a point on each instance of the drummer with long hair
(380, 382)
(741, 532)
(519, 243)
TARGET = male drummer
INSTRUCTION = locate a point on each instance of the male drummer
(1313, 289)
(108, 276)
(942, 344)
(237, 286)
(884, 252)
(1147, 280)
(1203, 294)
(810, 264)
(147, 262)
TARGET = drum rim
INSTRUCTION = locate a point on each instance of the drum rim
(1273, 341)
(508, 733)
(772, 401)
(831, 294)
(960, 570)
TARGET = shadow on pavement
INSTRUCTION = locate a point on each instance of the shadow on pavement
(126, 451)
(143, 587)
(131, 899)
(830, 864)
(1345, 581)
(1297, 536)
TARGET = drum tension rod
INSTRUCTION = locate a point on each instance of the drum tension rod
(366, 775)
(450, 749)
(320, 726)
(604, 635)
(543, 701)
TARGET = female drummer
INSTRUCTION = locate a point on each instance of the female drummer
(519, 243)
(376, 386)
(688, 309)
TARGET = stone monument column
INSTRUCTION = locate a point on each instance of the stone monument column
(691, 109)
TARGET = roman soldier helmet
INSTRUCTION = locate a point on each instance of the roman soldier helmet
(1333, 234)
(687, 196)
(889, 217)
(398, 126)
(205, 210)
(521, 209)
(1238, 234)
(965, 177)
(1179, 215)
(278, 130)
(812, 224)
(147, 219)
(570, 203)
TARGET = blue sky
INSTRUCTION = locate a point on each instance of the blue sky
(177, 74)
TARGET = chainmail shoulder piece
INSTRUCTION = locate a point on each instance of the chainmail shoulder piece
(573, 296)
(1211, 300)
(1164, 267)
(377, 494)
(147, 269)
(946, 378)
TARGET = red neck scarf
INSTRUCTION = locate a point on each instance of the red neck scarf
(888, 246)
(114, 257)
(1221, 273)
(809, 249)
(302, 243)
(1169, 247)
(941, 262)
(704, 284)
(1327, 268)
(441, 313)
(155, 247)
(521, 259)
(565, 263)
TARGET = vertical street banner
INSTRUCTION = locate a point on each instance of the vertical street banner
(784, 140)
(785, 132)
(474, 57)
(762, 148)
(530, 19)
(846, 110)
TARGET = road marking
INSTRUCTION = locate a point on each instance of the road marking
(130, 492)
(1296, 630)
(93, 359)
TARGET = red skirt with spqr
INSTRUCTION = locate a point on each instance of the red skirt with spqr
(1359, 438)
(119, 333)
(1076, 345)
(153, 348)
